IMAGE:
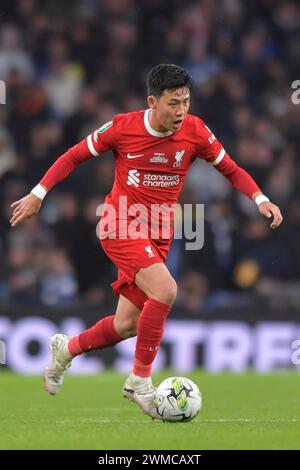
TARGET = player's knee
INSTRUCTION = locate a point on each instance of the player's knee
(127, 328)
(166, 291)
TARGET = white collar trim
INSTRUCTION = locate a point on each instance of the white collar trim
(149, 128)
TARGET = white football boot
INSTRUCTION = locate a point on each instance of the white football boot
(141, 391)
(60, 362)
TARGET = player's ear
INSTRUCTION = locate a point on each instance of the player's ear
(151, 102)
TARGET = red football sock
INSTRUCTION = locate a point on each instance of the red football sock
(149, 333)
(101, 335)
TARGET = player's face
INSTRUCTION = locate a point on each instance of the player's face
(169, 109)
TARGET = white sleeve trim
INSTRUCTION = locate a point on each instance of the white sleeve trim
(91, 146)
(261, 198)
(219, 158)
(39, 191)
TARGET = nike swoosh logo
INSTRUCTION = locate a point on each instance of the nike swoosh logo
(134, 156)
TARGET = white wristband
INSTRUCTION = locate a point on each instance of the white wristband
(261, 198)
(39, 191)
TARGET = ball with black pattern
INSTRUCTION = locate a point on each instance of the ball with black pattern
(178, 399)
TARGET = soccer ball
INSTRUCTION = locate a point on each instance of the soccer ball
(178, 399)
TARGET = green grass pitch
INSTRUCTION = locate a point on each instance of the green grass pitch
(246, 411)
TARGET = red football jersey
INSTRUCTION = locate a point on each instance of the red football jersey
(150, 166)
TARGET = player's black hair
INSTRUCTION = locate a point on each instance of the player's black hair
(167, 77)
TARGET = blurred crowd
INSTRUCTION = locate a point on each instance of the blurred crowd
(70, 66)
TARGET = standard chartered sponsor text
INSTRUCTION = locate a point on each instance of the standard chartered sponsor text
(162, 181)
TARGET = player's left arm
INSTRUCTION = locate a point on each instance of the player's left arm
(268, 209)
(210, 149)
(245, 184)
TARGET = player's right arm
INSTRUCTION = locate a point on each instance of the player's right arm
(99, 141)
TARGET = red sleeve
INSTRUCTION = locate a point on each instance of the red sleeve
(207, 145)
(97, 142)
(239, 178)
(211, 150)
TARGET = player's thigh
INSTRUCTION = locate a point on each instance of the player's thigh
(157, 283)
(126, 317)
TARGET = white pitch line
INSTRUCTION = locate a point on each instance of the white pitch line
(198, 421)
(100, 421)
(247, 420)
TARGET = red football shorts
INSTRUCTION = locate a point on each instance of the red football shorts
(130, 256)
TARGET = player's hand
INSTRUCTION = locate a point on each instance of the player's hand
(268, 209)
(25, 208)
